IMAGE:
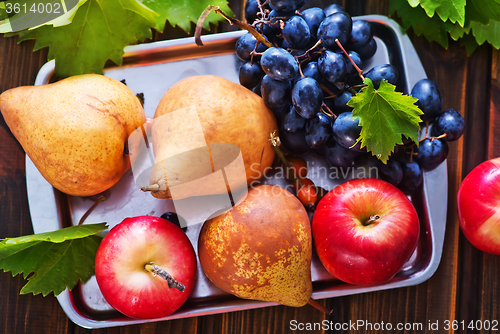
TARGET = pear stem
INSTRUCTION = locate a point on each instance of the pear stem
(159, 271)
(87, 213)
(152, 187)
(320, 307)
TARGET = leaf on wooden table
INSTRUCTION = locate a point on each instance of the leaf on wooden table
(52, 261)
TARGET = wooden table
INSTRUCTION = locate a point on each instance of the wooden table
(465, 287)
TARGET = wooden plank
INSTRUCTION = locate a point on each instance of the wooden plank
(490, 286)
(494, 108)
(20, 313)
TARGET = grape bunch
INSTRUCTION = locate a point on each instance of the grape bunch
(307, 68)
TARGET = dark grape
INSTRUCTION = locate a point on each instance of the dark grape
(276, 17)
(391, 172)
(350, 69)
(291, 121)
(276, 177)
(431, 153)
(296, 32)
(340, 102)
(279, 64)
(295, 142)
(368, 50)
(244, 45)
(176, 219)
(339, 156)
(388, 72)
(361, 34)
(332, 9)
(274, 92)
(429, 99)
(336, 26)
(412, 176)
(346, 131)
(332, 66)
(313, 17)
(250, 74)
(318, 130)
(450, 123)
(311, 70)
(286, 5)
(367, 165)
(251, 9)
(307, 97)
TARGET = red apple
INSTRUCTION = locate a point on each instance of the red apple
(478, 202)
(125, 272)
(364, 230)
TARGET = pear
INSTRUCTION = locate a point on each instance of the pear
(75, 130)
(260, 249)
(198, 112)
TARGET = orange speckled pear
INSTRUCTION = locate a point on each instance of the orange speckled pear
(260, 249)
(75, 130)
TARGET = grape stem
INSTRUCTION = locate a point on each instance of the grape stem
(360, 72)
(432, 138)
(232, 21)
(329, 113)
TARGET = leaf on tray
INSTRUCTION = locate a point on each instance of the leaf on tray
(52, 261)
(183, 14)
(100, 30)
(385, 116)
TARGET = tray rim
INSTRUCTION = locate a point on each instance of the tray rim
(437, 215)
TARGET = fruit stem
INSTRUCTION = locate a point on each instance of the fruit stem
(152, 187)
(87, 213)
(360, 71)
(275, 142)
(238, 23)
(320, 307)
(371, 220)
(159, 271)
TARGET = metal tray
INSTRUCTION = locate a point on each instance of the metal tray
(151, 69)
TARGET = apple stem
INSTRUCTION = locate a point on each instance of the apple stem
(320, 307)
(372, 219)
(159, 271)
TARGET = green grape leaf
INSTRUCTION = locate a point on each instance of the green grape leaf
(385, 116)
(482, 10)
(183, 13)
(433, 28)
(52, 261)
(468, 41)
(490, 32)
(100, 30)
(453, 10)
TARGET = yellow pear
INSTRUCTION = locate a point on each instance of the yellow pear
(195, 114)
(260, 249)
(75, 130)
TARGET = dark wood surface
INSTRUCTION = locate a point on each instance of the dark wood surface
(465, 287)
